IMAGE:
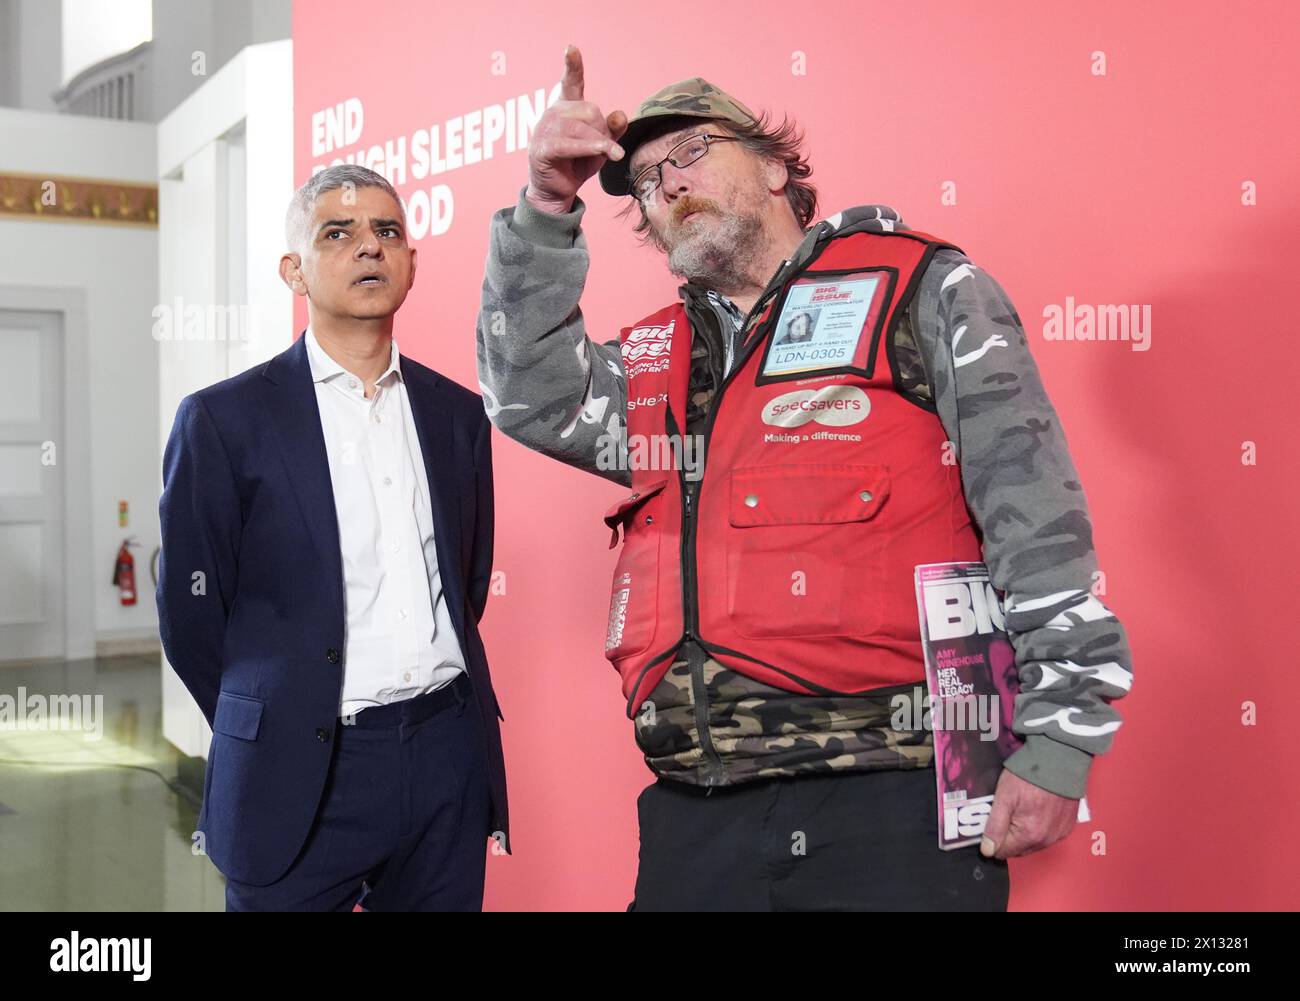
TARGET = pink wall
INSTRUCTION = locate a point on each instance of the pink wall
(1117, 189)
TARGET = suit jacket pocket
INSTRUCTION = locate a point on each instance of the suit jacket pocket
(238, 716)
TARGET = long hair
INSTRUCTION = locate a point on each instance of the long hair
(783, 142)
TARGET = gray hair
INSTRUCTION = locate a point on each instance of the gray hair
(297, 221)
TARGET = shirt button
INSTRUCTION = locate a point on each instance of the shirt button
(751, 500)
(332, 655)
(401, 613)
(396, 546)
(388, 481)
(322, 734)
(378, 419)
(406, 676)
(352, 384)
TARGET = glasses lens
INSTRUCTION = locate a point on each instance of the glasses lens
(690, 151)
(645, 184)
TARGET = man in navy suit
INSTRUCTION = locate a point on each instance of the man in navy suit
(326, 554)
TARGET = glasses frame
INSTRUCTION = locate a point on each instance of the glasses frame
(658, 168)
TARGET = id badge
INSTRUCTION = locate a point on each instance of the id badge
(827, 323)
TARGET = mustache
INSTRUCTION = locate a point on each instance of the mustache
(690, 204)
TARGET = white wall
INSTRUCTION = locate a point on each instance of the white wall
(10, 63)
(217, 28)
(93, 31)
(31, 53)
(116, 270)
(225, 159)
(32, 47)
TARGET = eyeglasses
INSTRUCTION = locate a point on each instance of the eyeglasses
(682, 155)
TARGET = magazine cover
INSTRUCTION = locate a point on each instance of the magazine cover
(970, 669)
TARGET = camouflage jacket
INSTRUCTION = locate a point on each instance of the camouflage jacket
(551, 387)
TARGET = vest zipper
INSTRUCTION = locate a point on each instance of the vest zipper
(713, 769)
(695, 649)
(689, 583)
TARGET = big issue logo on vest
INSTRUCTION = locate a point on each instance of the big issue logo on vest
(791, 558)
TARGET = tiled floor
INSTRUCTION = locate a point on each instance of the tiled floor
(89, 818)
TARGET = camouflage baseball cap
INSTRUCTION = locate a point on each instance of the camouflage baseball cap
(693, 98)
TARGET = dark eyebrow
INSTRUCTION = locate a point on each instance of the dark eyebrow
(341, 223)
(385, 224)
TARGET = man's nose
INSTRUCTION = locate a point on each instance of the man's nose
(368, 245)
(675, 181)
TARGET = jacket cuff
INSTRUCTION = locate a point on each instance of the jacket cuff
(1051, 765)
(546, 229)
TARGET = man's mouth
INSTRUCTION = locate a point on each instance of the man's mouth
(371, 280)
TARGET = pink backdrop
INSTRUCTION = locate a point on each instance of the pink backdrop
(1122, 188)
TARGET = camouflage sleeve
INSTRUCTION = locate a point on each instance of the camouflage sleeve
(1024, 494)
(545, 383)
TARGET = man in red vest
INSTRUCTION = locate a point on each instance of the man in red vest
(828, 406)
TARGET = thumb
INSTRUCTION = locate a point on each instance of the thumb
(617, 123)
(999, 819)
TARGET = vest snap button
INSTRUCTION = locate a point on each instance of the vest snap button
(751, 501)
(865, 495)
(649, 519)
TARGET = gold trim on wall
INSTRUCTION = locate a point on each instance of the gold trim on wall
(77, 199)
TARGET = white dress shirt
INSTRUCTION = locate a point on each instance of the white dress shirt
(399, 640)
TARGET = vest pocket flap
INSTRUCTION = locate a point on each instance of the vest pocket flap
(806, 494)
(238, 716)
(617, 512)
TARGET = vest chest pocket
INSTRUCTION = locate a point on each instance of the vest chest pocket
(634, 595)
(805, 547)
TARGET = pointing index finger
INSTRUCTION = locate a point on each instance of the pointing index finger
(572, 83)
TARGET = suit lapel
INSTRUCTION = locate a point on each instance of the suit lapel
(436, 429)
(295, 425)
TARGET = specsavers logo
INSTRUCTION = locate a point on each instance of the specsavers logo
(834, 406)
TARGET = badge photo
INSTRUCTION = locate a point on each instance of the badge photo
(828, 322)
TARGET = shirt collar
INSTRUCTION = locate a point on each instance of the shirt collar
(324, 368)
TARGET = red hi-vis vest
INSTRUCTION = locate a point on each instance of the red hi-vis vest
(824, 487)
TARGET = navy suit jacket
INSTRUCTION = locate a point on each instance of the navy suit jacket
(250, 591)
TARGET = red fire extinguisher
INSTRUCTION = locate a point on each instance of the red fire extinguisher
(124, 574)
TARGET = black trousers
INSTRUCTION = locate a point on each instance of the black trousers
(852, 841)
(404, 818)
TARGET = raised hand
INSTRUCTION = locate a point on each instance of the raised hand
(572, 142)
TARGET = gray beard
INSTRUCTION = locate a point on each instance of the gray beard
(722, 259)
